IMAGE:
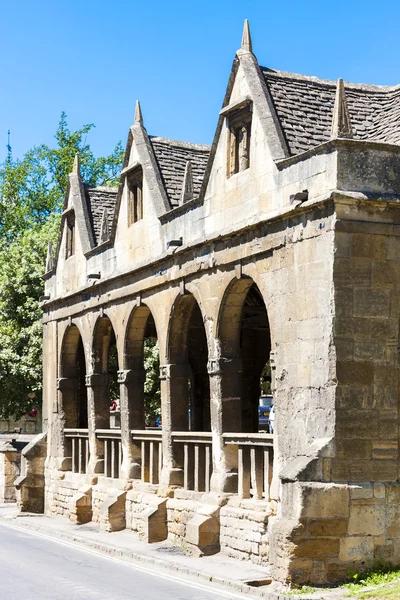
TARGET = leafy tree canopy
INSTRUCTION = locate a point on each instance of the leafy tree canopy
(31, 197)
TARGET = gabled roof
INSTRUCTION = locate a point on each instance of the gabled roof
(304, 106)
(98, 199)
(171, 157)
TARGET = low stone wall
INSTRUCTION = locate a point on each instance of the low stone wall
(11, 447)
(244, 530)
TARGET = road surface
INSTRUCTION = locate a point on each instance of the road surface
(35, 567)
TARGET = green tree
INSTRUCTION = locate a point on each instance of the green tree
(31, 197)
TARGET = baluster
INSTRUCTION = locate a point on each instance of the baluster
(160, 457)
(80, 469)
(151, 462)
(257, 475)
(196, 468)
(267, 473)
(143, 457)
(106, 458)
(73, 455)
(112, 443)
(119, 458)
(185, 467)
(243, 472)
(86, 454)
(207, 468)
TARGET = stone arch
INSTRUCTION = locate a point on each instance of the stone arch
(141, 327)
(103, 380)
(187, 353)
(244, 344)
(72, 379)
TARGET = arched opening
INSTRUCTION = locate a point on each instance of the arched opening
(245, 340)
(188, 350)
(105, 366)
(142, 362)
(72, 382)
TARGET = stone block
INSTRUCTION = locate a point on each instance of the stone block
(318, 548)
(153, 522)
(356, 549)
(366, 519)
(203, 532)
(80, 507)
(112, 511)
(328, 528)
(325, 501)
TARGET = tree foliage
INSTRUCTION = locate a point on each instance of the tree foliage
(31, 197)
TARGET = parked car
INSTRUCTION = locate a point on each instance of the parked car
(265, 404)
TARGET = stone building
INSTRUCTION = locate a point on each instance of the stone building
(279, 243)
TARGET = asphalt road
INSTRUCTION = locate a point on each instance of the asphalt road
(34, 567)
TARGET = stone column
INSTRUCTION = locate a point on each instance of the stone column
(98, 417)
(9, 471)
(68, 404)
(226, 417)
(132, 417)
(174, 412)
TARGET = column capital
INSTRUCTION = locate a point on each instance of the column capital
(96, 379)
(171, 371)
(222, 365)
(130, 375)
(67, 383)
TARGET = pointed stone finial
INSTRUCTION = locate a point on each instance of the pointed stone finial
(341, 124)
(187, 187)
(49, 258)
(138, 113)
(77, 165)
(104, 228)
(246, 37)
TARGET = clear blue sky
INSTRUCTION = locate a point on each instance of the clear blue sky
(93, 59)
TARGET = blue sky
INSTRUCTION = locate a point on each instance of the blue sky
(93, 59)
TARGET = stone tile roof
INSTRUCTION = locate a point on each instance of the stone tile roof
(99, 198)
(172, 157)
(304, 106)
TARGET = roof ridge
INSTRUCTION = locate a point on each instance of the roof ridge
(188, 145)
(328, 82)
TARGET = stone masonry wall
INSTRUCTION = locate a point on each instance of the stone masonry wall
(244, 530)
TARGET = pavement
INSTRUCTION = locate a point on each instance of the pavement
(164, 559)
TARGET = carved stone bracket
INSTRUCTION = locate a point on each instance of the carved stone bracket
(221, 366)
(96, 379)
(172, 371)
(67, 383)
(130, 375)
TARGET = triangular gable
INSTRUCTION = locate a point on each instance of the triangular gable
(261, 97)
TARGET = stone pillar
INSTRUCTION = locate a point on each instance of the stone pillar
(67, 388)
(132, 417)
(9, 471)
(98, 417)
(174, 412)
(225, 399)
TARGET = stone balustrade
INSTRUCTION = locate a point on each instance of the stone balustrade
(78, 448)
(151, 453)
(254, 463)
(111, 439)
(197, 459)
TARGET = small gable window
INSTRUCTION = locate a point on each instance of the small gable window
(135, 196)
(70, 235)
(239, 135)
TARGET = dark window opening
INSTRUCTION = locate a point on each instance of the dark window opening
(135, 197)
(70, 236)
(239, 136)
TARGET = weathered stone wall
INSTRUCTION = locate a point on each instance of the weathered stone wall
(244, 530)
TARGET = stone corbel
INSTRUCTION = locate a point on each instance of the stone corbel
(173, 371)
(96, 380)
(131, 375)
(67, 383)
(222, 366)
